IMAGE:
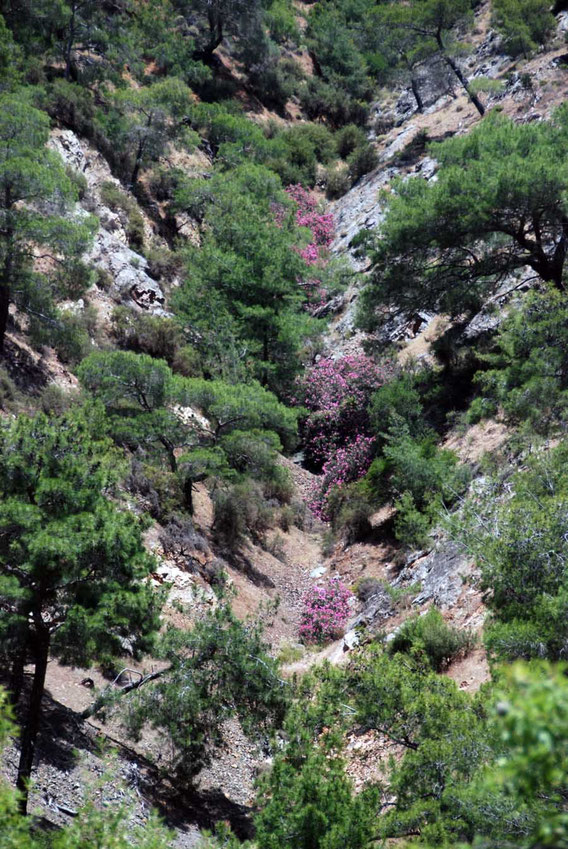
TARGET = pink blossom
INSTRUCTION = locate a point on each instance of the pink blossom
(345, 465)
(315, 253)
(326, 610)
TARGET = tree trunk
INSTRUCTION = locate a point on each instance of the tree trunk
(7, 270)
(416, 93)
(16, 681)
(4, 305)
(70, 42)
(169, 447)
(137, 164)
(451, 63)
(216, 36)
(188, 495)
(552, 270)
(31, 727)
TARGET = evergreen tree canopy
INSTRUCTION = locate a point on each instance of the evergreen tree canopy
(498, 205)
(35, 191)
(72, 563)
(150, 407)
(218, 669)
(524, 24)
(242, 287)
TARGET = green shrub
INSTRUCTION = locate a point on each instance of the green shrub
(397, 401)
(350, 511)
(422, 469)
(286, 517)
(348, 139)
(78, 180)
(362, 160)
(365, 588)
(517, 640)
(337, 181)
(163, 263)
(529, 374)
(486, 85)
(113, 197)
(278, 484)
(240, 510)
(73, 105)
(411, 525)
(524, 24)
(431, 636)
(71, 335)
(517, 528)
(290, 653)
(147, 334)
(281, 22)
(187, 362)
(275, 81)
(291, 514)
(295, 152)
(103, 279)
(8, 390)
(275, 546)
(55, 401)
(163, 182)
(322, 99)
(480, 408)
(159, 490)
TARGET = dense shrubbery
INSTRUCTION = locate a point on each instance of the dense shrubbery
(524, 24)
(517, 530)
(528, 372)
(431, 636)
(325, 613)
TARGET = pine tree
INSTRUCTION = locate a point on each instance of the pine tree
(35, 192)
(217, 670)
(433, 22)
(72, 563)
(498, 205)
(149, 409)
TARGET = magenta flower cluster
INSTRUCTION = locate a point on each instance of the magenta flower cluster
(345, 465)
(337, 394)
(329, 382)
(315, 253)
(307, 215)
(326, 611)
(336, 430)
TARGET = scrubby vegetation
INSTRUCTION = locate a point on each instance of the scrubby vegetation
(141, 428)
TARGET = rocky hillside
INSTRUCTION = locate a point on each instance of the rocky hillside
(223, 277)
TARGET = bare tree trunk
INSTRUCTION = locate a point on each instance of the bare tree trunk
(7, 270)
(4, 306)
(16, 681)
(188, 495)
(31, 727)
(451, 63)
(216, 36)
(416, 93)
(70, 42)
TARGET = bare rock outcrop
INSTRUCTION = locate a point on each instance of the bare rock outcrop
(127, 269)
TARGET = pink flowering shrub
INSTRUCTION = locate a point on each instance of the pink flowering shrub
(326, 610)
(307, 215)
(315, 253)
(337, 394)
(345, 465)
(336, 432)
(329, 382)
